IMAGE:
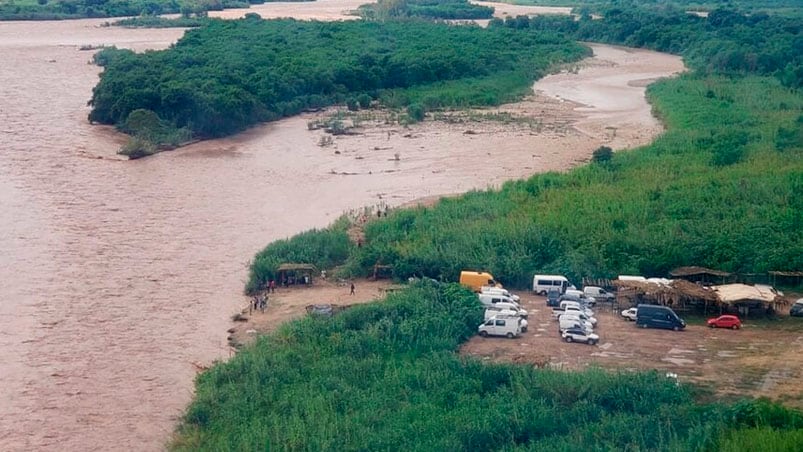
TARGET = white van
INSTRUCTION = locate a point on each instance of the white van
(509, 327)
(500, 291)
(504, 314)
(507, 307)
(542, 284)
(490, 299)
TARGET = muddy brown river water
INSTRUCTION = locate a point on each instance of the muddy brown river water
(118, 277)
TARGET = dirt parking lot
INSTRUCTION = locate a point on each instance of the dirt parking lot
(764, 358)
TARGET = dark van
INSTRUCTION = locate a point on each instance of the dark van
(553, 298)
(654, 316)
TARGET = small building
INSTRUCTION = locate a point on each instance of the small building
(291, 274)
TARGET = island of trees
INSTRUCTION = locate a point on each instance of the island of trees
(228, 75)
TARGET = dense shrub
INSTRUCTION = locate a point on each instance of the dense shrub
(230, 74)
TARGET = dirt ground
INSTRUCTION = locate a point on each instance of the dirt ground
(762, 359)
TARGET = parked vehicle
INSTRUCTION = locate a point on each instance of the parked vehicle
(578, 296)
(598, 293)
(504, 314)
(508, 307)
(500, 291)
(654, 316)
(565, 304)
(475, 280)
(489, 299)
(725, 321)
(797, 309)
(557, 312)
(582, 316)
(630, 314)
(568, 321)
(579, 335)
(542, 284)
(509, 327)
(553, 298)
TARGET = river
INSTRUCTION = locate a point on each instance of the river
(118, 278)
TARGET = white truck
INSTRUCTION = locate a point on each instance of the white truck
(490, 314)
(557, 312)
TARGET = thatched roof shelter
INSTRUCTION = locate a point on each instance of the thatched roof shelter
(701, 274)
(292, 273)
(742, 294)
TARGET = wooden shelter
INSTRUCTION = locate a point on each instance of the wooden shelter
(745, 298)
(789, 278)
(678, 294)
(291, 274)
(706, 276)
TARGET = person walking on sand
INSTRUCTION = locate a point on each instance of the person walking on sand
(272, 286)
(352, 289)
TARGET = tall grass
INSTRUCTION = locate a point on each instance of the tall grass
(715, 190)
(324, 248)
(385, 376)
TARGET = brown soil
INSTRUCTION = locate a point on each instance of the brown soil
(289, 303)
(758, 360)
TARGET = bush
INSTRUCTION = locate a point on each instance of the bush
(416, 112)
(602, 154)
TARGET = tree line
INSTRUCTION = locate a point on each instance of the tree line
(727, 41)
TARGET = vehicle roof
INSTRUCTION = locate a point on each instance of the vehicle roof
(561, 277)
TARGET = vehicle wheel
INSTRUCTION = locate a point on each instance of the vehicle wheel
(568, 338)
(735, 327)
(676, 328)
(524, 330)
(510, 335)
(592, 342)
(713, 325)
(484, 333)
(643, 325)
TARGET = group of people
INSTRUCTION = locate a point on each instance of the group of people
(258, 302)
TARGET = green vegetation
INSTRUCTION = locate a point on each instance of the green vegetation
(715, 190)
(430, 9)
(686, 199)
(692, 5)
(385, 376)
(722, 188)
(725, 42)
(77, 9)
(228, 75)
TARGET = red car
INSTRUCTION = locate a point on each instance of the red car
(725, 321)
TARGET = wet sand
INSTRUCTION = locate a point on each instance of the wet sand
(120, 277)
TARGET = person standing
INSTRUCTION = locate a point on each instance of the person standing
(352, 288)
(272, 286)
